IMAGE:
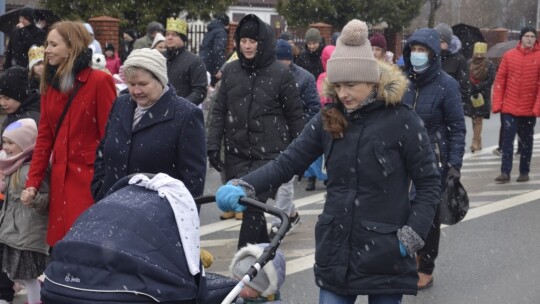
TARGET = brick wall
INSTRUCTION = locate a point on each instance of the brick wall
(106, 29)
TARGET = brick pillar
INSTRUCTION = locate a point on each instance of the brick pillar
(232, 30)
(394, 43)
(106, 29)
(325, 29)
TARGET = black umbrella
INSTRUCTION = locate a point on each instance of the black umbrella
(11, 18)
(498, 50)
(469, 35)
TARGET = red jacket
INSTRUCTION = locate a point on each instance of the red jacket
(516, 87)
(72, 154)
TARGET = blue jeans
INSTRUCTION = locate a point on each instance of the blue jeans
(524, 127)
(328, 297)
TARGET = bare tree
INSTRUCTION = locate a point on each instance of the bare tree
(433, 7)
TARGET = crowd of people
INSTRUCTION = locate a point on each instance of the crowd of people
(379, 136)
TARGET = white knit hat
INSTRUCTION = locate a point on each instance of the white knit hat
(157, 39)
(150, 60)
(22, 132)
(353, 60)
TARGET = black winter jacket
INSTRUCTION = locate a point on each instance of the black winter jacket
(436, 97)
(187, 74)
(20, 42)
(258, 111)
(213, 46)
(370, 169)
(169, 139)
(311, 61)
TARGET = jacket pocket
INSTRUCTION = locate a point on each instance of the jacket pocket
(324, 239)
(382, 157)
(379, 250)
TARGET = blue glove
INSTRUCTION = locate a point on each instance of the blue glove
(228, 198)
(402, 249)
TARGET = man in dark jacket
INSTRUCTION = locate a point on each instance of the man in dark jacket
(436, 98)
(214, 45)
(453, 62)
(22, 38)
(258, 113)
(185, 70)
(310, 58)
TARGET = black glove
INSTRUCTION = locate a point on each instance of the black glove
(453, 173)
(214, 157)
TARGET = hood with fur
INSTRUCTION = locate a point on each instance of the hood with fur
(390, 89)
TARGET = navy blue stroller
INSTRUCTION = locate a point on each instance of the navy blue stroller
(127, 249)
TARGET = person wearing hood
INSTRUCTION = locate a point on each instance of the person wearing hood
(453, 62)
(265, 287)
(22, 39)
(186, 71)
(67, 143)
(16, 98)
(310, 58)
(95, 46)
(517, 97)
(159, 43)
(256, 115)
(369, 229)
(152, 29)
(436, 97)
(214, 45)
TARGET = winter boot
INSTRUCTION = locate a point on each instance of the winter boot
(477, 134)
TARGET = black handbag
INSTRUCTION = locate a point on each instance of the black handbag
(454, 204)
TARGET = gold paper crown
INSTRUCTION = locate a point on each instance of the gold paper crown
(480, 48)
(35, 54)
(177, 25)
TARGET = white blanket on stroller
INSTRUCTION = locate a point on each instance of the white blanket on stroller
(185, 212)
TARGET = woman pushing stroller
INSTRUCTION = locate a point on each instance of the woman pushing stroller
(375, 147)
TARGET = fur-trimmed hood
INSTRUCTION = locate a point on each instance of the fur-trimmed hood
(274, 270)
(390, 89)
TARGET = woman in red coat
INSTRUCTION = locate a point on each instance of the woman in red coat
(71, 148)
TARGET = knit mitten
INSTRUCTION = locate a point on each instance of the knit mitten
(228, 196)
(409, 239)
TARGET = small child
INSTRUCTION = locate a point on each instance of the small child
(113, 61)
(159, 43)
(264, 288)
(35, 65)
(23, 250)
(16, 100)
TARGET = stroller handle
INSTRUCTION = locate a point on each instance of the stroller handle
(280, 234)
(270, 251)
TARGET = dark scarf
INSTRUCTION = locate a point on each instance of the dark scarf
(171, 54)
(82, 61)
(479, 69)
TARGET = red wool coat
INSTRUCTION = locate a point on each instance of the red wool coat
(72, 154)
(516, 88)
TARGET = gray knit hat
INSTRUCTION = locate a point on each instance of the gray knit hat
(313, 35)
(150, 60)
(445, 32)
(353, 60)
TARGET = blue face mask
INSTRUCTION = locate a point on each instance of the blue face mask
(419, 60)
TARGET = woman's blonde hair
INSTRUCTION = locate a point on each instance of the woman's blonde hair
(77, 40)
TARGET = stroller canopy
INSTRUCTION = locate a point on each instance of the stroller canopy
(124, 249)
